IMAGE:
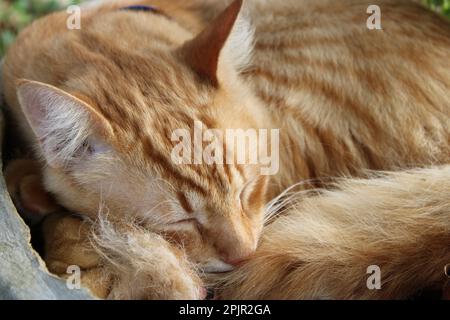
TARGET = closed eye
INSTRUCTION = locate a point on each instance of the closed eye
(184, 221)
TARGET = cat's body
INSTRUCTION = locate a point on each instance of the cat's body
(346, 99)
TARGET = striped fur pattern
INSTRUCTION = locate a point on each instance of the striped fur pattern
(100, 137)
(356, 98)
(346, 99)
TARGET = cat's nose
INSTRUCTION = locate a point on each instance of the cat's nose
(234, 242)
(238, 259)
(237, 251)
(236, 262)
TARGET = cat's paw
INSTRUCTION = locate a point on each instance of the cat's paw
(24, 184)
(130, 264)
(67, 244)
(174, 283)
(146, 267)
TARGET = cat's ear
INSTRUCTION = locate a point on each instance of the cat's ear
(66, 127)
(227, 41)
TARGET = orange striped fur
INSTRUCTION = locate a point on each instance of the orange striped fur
(346, 99)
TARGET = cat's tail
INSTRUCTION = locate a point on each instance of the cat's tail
(381, 238)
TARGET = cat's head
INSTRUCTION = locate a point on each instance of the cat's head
(107, 137)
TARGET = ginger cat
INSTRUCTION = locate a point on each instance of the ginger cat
(100, 104)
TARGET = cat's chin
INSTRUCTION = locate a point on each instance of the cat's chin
(216, 266)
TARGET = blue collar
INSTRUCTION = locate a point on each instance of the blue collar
(141, 8)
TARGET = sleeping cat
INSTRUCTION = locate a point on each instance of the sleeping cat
(100, 105)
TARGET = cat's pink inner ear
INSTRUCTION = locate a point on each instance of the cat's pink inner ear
(61, 122)
(31, 106)
(203, 52)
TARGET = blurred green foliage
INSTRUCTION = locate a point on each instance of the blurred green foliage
(16, 14)
(442, 6)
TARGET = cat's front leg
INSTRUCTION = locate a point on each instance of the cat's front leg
(145, 265)
(122, 263)
(68, 248)
(24, 183)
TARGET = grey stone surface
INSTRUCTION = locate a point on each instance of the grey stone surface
(22, 272)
